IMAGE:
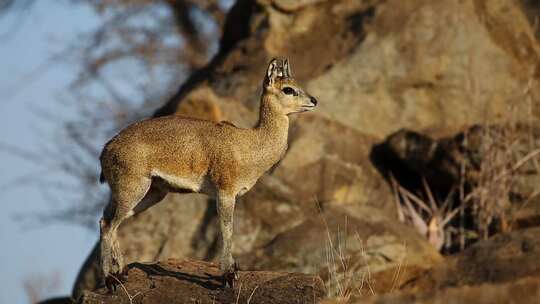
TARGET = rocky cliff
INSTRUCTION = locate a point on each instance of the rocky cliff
(432, 67)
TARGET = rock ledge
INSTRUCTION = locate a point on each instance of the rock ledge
(192, 281)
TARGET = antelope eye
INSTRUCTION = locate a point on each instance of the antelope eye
(289, 91)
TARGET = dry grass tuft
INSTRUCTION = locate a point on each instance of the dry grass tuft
(348, 265)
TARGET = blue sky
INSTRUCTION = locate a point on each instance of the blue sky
(28, 79)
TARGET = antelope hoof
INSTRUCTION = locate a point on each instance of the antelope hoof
(113, 280)
(230, 276)
(111, 283)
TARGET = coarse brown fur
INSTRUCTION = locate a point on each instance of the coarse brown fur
(177, 154)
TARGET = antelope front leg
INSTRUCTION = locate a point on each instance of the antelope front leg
(225, 207)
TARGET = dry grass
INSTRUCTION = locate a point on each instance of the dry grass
(347, 280)
(341, 279)
(429, 216)
(349, 271)
(493, 183)
(252, 293)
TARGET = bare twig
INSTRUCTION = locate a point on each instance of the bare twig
(130, 297)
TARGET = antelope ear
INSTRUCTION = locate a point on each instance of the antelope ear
(287, 69)
(271, 73)
(277, 68)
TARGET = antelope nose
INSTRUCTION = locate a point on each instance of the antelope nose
(313, 100)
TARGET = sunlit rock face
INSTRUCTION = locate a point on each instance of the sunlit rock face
(435, 67)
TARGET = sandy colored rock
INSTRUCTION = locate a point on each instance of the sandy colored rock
(430, 65)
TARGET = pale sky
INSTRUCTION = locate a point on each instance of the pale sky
(29, 80)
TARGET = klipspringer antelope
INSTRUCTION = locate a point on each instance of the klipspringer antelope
(150, 158)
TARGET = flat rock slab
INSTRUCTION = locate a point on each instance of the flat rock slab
(191, 281)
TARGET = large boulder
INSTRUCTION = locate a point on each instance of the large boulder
(376, 67)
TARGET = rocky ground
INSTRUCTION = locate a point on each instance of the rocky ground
(191, 281)
(401, 86)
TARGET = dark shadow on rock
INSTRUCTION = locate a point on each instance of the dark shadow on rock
(388, 164)
(410, 157)
(205, 281)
